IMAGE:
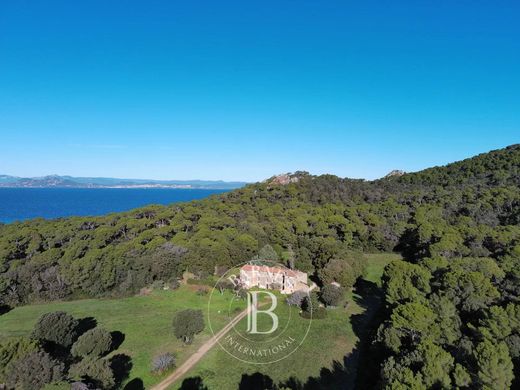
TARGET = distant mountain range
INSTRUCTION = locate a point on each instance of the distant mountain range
(55, 181)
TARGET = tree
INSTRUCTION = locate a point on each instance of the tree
(187, 323)
(448, 320)
(331, 295)
(94, 370)
(470, 290)
(267, 253)
(311, 307)
(12, 350)
(163, 362)
(56, 327)
(33, 371)
(415, 317)
(224, 284)
(461, 376)
(311, 302)
(495, 368)
(94, 342)
(290, 258)
(344, 268)
(405, 282)
(437, 365)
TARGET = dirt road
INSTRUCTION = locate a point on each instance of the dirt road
(193, 359)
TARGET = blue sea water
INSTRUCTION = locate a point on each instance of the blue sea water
(17, 204)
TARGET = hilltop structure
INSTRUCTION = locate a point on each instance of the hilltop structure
(277, 278)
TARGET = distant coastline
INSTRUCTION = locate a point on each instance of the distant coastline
(56, 181)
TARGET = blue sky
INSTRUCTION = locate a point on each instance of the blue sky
(242, 90)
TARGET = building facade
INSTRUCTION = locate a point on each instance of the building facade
(278, 278)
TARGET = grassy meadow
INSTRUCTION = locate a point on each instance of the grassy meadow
(146, 323)
(324, 352)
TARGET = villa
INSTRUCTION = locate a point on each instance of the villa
(285, 280)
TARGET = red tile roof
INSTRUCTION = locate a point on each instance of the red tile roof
(272, 270)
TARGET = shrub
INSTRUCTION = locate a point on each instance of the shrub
(331, 295)
(174, 284)
(187, 323)
(94, 342)
(241, 293)
(311, 307)
(97, 371)
(157, 284)
(224, 284)
(163, 362)
(202, 291)
(57, 327)
(33, 371)
(296, 298)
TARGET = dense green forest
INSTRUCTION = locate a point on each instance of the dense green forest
(452, 315)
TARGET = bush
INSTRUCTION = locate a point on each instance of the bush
(224, 284)
(331, 295)
(174, 284)
(56, 327)
(157, 285)
(202, 291)
(33, 371)
(163, 362)
(296, 298)
(241, 294)
(311, 307)
(187, 323)
(94, 342)
(97, 371)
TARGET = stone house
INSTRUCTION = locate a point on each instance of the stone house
(283, 279)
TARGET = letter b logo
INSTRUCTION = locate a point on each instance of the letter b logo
(252, 312)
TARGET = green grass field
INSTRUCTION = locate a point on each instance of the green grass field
(146, 324)
(328, 341)
(376, 266)
(144, 320)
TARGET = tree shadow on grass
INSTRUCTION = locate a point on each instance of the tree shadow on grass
(347, 374)
(121, 365)
(117, 339)
(85, 324)
(193, 383)
(5, 309)
(256, 381)
(134, 384)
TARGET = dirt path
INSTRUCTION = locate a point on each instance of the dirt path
(194, 359)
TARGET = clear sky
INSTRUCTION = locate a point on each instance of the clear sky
(242, 90)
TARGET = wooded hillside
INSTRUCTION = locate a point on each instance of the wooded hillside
(453, 317)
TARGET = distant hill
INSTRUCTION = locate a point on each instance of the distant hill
(55, 181)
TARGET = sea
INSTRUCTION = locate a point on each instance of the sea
(19, 204)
